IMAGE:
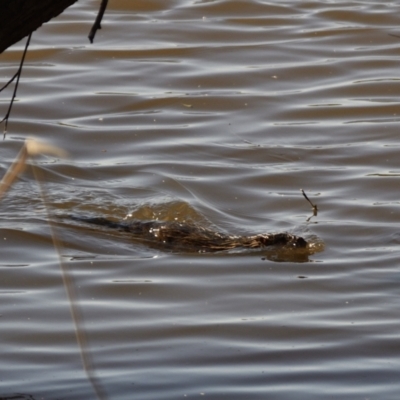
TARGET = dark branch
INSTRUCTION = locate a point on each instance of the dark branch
(17, 75)
(10, 81)
(97, 23)
(21, 17)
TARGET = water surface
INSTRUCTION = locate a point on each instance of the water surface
(219, 112)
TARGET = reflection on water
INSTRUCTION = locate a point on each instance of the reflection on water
(215, 113)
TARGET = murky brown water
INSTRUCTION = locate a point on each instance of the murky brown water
(218, 112)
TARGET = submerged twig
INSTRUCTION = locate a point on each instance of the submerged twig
(314, 206)
(33, 148)
(16, 76)
(97, 22)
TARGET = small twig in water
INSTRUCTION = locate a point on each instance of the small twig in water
(314, 206)
(97, 22)
(16, 76)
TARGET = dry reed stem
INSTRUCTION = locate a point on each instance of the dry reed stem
(30, 149)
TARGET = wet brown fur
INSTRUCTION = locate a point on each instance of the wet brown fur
(193, 237)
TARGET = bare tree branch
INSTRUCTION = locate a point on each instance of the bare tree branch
(17, 75)
(97, 23)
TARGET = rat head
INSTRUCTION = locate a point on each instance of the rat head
(282, 239)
